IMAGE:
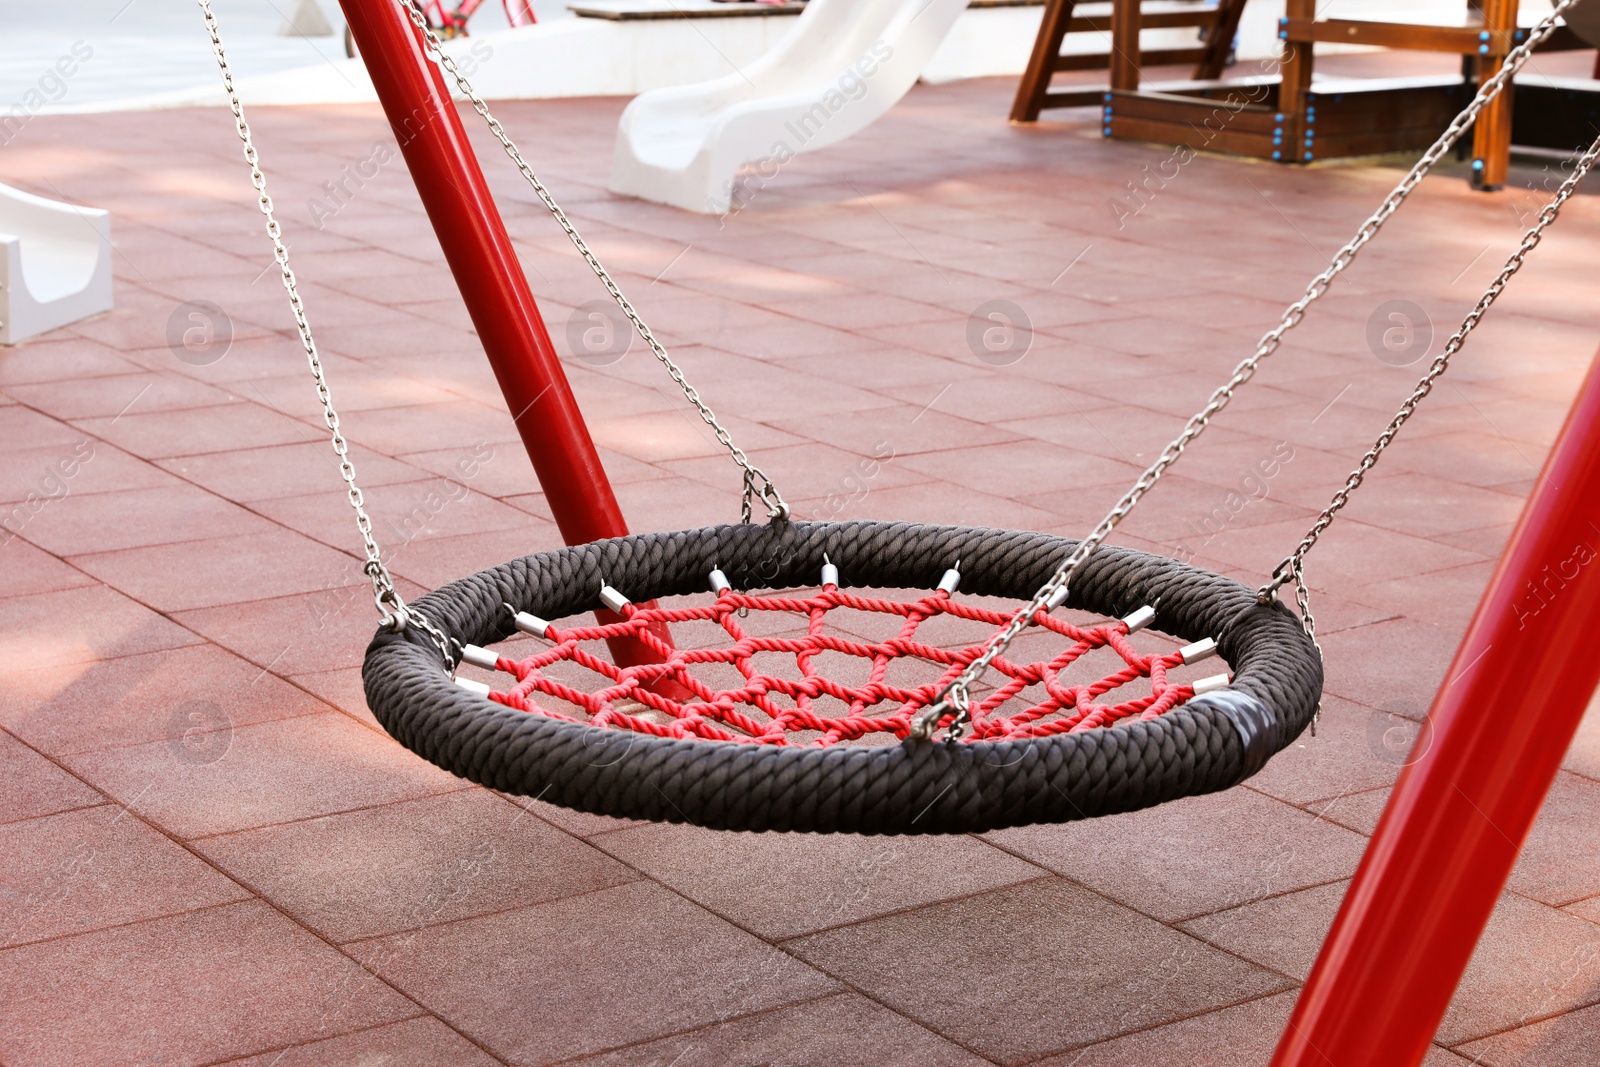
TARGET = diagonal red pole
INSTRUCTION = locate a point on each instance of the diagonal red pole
(1494, 739)
(493, 285)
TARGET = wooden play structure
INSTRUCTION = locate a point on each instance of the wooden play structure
(1290, 116)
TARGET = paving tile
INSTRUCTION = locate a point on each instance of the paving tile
(1533, 961)
(410, 864)
(1470, 457)
(143, 698)
(224, 427)
(1194, 855)
(455, 425)
(1395, 666)
(106, 522)
(1038, 938)
(1445, 598)
(1023, 470)
(577, 823)
(507, 472)
(1349, 556)
(810, 470)
(1567, 1040)
(1584, 755)
(1357, 811)
(318, 631)
(1560, 861)
(573, 956)
(26, 569)
(677, 434)
(341, 688)
(435, 561)
(97, 867)
(909, 428)
(170, 990)
(1244, 1035)
(781, 885)
(422, 1042)
(1283, 932)
(285, 470)
(20, 424)
(433, 507)
(107, 397)
(78, 626)
(37, 476)
(1588, 909)
(1355, 749)
(63, 360)
(932, 502)
(844, 1030)
(1425, 506)
(263, 774)
(31, 785)
(229, 570)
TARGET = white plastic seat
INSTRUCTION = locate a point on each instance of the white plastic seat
(55, 264)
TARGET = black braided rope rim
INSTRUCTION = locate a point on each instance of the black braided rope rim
(1211, 743)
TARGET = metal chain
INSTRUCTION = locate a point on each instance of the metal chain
(396, 615)
(956, 697)
(756, 482)
(1293, 566)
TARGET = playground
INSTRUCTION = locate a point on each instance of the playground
(240, 828)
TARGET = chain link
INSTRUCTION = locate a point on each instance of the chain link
(396, 615)
(756, 482)
(956, 697)
(1291, 568)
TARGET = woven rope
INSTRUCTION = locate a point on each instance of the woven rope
(785, 710)
(1210, 743)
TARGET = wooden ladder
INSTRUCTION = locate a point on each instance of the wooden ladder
(1220, 20)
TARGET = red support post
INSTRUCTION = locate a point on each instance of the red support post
(480, 255)
(1485, 759)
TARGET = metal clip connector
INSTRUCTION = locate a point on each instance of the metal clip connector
(1211, 684)
(951, 580)
(1140, 619)
(472, 686)
(528, 624)
(1198, 651)
(612, 599)
(719, 582)
(480, 657)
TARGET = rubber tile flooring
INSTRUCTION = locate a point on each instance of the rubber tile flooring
(213, 854)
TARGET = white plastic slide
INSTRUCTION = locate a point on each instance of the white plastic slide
(843, 65)
(55, 264)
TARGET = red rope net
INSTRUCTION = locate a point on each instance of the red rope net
(766, 708)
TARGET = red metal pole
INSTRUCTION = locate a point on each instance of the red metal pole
(493, 285)
(1460, 812)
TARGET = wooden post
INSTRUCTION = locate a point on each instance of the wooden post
(1491, 136)
(1035, 82)
(1296, 84)
(1219, 41)
(1126, 22)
